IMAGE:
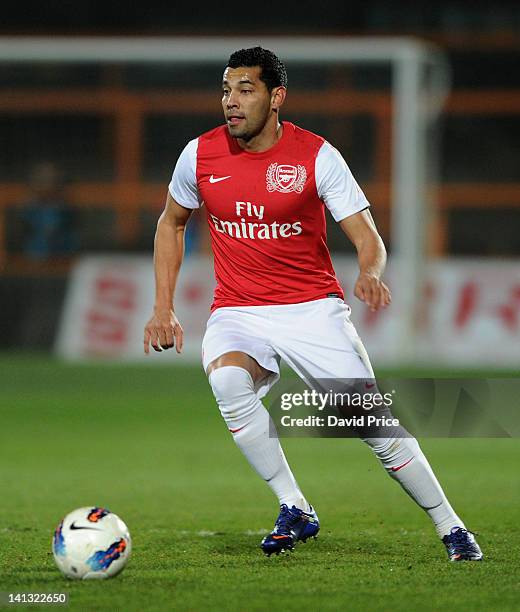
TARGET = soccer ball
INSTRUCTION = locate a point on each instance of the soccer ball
(91, 543)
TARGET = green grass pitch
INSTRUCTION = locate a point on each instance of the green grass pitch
(149, 443)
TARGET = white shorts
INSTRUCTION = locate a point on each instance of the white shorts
(316, 339)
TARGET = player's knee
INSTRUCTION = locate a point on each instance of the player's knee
(234, 391)
(229, 383)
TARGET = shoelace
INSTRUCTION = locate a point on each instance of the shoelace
(460, 540)
(286, 519)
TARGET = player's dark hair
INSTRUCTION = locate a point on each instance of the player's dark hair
(273, 72)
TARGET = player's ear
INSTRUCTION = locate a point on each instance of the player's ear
(278, 97)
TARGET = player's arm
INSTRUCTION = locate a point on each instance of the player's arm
(361, 230)
(163, 329)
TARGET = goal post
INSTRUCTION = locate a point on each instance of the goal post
(419, 85)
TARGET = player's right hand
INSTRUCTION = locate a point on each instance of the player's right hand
(163, 331)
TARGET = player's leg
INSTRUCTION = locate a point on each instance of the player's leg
(234, 378)
(405, 462)
(403, 459)
(401, 456)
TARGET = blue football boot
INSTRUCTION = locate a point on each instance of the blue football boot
(291, 525)
(462, 546)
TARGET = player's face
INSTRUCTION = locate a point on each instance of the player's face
(246, 101)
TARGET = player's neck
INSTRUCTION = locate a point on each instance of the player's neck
(267, 138)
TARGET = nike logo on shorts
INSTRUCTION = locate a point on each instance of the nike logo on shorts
(212, 179)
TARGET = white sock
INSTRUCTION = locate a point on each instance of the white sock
(405, 462)
(249, 422)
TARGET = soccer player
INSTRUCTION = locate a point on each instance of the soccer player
(265, 184)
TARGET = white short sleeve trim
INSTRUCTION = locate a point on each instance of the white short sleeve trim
(335, 184)
(183, 186)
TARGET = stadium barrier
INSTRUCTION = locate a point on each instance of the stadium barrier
(470, 313)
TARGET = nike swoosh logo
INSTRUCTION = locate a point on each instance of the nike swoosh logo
(212, 179)
(399, 467)
(73, 527)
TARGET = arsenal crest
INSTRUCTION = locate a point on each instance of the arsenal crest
(285, 178)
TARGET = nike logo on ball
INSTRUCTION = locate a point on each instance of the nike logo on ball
(73, 526)
(212, 179)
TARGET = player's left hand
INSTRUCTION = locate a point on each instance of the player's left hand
(371, 290)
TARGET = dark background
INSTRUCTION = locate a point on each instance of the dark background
(309, 17)
(479, 151)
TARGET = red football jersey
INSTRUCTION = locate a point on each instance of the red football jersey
(266, 213)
